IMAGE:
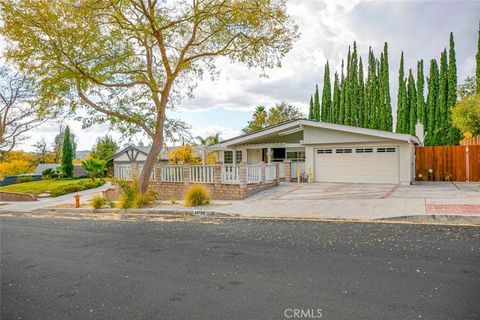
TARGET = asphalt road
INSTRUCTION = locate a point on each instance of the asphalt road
(237, 269)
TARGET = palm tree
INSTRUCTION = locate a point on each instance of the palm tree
(95, 166)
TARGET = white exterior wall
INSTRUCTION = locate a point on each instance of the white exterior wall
(123, 158)
(314, 135)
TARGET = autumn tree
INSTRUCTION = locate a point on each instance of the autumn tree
(126, 62)
(104, 148)
(281, 112)
(19, 112)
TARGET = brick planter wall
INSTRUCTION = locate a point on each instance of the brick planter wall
(12, 196)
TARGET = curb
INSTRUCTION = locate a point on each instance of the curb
(157, 213)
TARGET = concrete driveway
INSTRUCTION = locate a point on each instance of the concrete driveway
(361, 201)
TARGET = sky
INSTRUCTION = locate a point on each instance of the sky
(419, 28)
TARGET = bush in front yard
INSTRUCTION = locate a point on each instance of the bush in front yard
(75, 187)
(98, 201)
(21, 179)
(196, 195)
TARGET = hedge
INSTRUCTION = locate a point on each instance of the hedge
(75, 187)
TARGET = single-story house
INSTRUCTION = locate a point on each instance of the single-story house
(327, 152)
(78, 170)
(124, 158)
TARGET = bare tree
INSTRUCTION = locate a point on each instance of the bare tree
(18, 111)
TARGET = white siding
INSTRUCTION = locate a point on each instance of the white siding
(254, 156)
(314, 135)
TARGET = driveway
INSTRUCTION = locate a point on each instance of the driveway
(361, 201)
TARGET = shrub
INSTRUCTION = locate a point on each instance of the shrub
(129, 192)
(142, 200)
(75, 187)
(196, 195)
(47, 173)
(98, 201)
(21, 179)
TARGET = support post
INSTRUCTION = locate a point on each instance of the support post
(288, 170)
(218, 174)
(263, 172)
(243, 180)
(186, 174)
(277, 173)
(158, 171)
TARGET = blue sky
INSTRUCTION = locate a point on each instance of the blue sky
(419, 28)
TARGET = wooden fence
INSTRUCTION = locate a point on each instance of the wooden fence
(471, 142)
(448, 163)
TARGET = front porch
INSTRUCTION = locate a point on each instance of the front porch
(224, 181)
(291, 155)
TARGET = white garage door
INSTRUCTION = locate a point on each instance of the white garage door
(359, 164)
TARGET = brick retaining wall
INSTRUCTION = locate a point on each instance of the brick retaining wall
(13, 196)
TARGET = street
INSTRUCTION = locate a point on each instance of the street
(55, 268)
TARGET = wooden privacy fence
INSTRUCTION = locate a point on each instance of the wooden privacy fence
(448, 163)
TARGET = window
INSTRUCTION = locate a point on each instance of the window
(228, 157)
(324, 151)
(296, 156)
(343, 151)
(238, 156)
(364, 150)
(386, 150)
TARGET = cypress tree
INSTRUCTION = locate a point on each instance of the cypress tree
(477, 73)
(433, 84)
(387, 102)
(361, 95)
(310, 110)
(453, 133)
(348, 91)
(381, 110)
(421, 111)
(336, 100)
(402, 112)
(316, 105)
(377, 97)
(354, 105)
(67, 154)
(441, 109)
(412, 103)
(341, 118)
(326, 95)
(369, 92)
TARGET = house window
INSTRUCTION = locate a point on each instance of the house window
(228, 157)
(386, 150)
(238, 156)
(324, 151)
(364, 150)
(296, 156)
(343, 151)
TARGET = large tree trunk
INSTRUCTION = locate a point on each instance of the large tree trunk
(144, 176)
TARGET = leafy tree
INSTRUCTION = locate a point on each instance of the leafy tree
(412, 103)
(369, 120)
(104, 148)
(259, 120)
(336, 99)
(58, 144)
(432, 96)
(477, 72)
(453, 134)
(421, 107)
(94, 166)
(311, 113)
(402, 111)
(385, 87)
(316, 105)
(277, 114)
(326, 96)
(42, 153)
(348, 90)
(341, 117)
(184, 154)
(361, 95)
(67, 154)
(19, 113)
(127, 61)
(441, 110)
(467, 88)
(466, 114)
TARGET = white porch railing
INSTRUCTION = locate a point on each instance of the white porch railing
(202, 174)
(270, 172)
(230, 174)
(254, 173)
(171, 173)
(123, 172)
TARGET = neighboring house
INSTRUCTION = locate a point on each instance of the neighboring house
(124, 158)
(77, 168)
(330, 152)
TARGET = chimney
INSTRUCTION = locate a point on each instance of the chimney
(419, 132)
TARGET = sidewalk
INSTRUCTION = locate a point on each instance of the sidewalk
(28, 206)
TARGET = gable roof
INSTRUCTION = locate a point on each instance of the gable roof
(146, 150)
(293, 124)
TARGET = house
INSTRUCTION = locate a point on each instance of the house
(123, 159)
(326, 152)
(78, 170)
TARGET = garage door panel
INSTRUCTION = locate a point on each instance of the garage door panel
(369, 167)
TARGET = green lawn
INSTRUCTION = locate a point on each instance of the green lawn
(37, 187)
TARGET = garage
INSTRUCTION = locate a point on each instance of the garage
(362, 164)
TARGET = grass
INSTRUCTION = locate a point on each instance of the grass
(38, 187)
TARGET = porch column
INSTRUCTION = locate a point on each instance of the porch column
(218, 174)
(234, 157)
(288, 170)
(243, 180)
(186, 174)
(269, 155)
(158, 171)
(263, 172)
(277, 173)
